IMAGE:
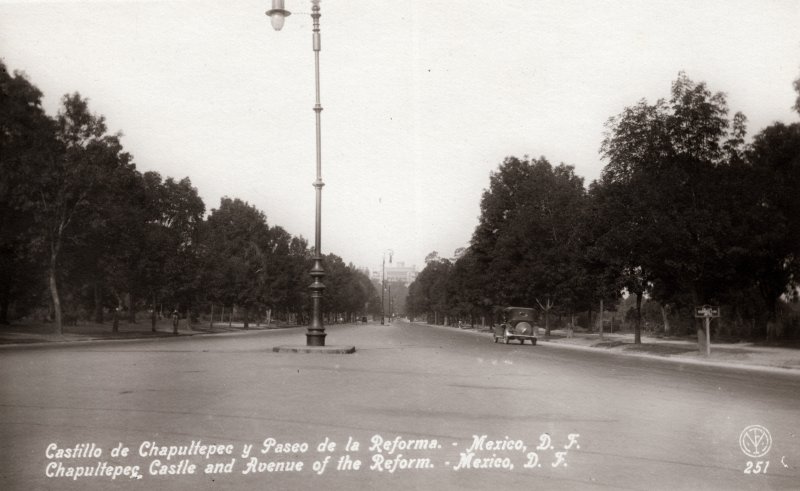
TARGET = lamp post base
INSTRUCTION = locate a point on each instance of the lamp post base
(315, 338)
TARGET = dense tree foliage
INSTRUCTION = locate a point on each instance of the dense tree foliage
(685, 213)
(429, 293)
(27, 137)
(531, 219)
(773, 255)
(666, 189)
(167, 252)
(81, 223)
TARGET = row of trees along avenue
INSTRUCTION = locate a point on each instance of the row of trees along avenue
(84, 233)
(687, 211)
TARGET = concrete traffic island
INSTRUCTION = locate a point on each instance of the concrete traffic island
(324, 350)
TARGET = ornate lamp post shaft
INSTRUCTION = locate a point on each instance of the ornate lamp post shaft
(316, 331)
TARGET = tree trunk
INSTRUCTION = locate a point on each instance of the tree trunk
(772, 320)
(56, 299)
(246, 318)
(600, 318)
(591, 315)
(666, 320)
(54, 289)
(153, 315)
(131, 308)
(98, 302)
(548, 304)
(637, 328)
(547, 324)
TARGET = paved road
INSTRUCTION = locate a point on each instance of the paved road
(428, 408)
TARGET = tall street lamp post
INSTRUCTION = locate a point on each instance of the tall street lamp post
(315, 335)
(383, 278)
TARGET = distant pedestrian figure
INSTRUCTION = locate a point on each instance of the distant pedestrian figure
(175, 317)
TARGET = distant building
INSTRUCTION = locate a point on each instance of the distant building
(397, 272)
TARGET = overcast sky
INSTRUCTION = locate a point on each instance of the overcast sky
(422, 98)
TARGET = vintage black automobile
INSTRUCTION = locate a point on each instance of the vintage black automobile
(517, 324)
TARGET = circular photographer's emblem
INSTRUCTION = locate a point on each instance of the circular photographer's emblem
(755, 441)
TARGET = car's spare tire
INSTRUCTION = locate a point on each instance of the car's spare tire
(523, 328)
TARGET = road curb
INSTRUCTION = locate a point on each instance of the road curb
(163, 335)
(317, 350)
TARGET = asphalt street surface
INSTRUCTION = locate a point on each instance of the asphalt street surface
(416, 407)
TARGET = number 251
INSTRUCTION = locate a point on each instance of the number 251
(756, 467)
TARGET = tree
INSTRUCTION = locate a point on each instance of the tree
(464, 288)
(428, 293)
(775, 213)
(529, 237)
(236, 242)
(348, 289)
(165, 262)
(619, 253)
(171, 266)
(664, 187)
(71, 180)
(497, 202)
(337, 278)
(288, 264)
(27, 140)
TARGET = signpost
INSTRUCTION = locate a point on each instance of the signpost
(707, 312)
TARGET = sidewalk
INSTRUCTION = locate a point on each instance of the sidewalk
(741, 354)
